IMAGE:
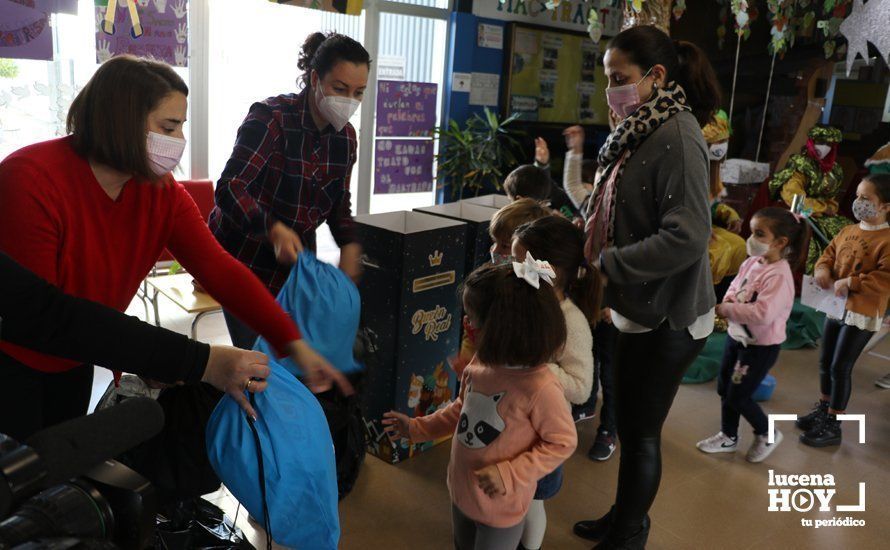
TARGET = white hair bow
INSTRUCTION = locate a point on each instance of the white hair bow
(533, 271)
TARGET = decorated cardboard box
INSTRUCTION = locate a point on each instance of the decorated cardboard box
(477, 218)
(414, 263)
(492, 201)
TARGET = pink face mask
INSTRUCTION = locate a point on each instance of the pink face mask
(624, 100)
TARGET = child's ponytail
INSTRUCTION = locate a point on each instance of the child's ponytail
(793, 227)
(556, 240)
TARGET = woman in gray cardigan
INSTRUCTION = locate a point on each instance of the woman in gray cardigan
(648, 225)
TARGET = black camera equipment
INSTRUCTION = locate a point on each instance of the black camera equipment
(61, 489)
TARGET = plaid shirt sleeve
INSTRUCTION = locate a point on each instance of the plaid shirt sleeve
(257, 141)
(340, 217)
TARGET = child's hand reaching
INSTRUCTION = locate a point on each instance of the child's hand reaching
(490, 481)
(842, 287)
(395, 424)
(542, 152)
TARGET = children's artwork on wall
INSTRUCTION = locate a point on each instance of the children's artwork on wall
(56, 6)
(24, 32)
(348, 7)
(144, 28)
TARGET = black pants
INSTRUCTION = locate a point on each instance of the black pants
(604, 337)
(742, 371)
(648, 371)
(242, 335)
(841, 347)
(31, 400)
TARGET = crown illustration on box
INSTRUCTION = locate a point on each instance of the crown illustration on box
(435, 258)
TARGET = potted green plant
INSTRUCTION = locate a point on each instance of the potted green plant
(477, 155)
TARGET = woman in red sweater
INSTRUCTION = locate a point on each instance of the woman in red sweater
(91, 213)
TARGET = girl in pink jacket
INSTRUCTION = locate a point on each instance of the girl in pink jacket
(511, 423)
(757, 306)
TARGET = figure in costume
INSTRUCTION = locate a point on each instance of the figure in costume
(815, 174)
(726, 249)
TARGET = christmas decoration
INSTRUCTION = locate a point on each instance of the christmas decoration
(867, 23)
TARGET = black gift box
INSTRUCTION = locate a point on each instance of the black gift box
(477, 219)
(414, 264)
(492, 201)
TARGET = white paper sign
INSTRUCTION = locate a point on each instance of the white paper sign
(460, 82)
(391, 68)
(484, 89)
(822, 300)
(490, 36)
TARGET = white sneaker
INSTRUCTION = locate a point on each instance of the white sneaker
(760, 449)
(720, 443)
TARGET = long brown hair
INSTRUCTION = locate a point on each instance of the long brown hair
(518, 324)
(556, 240)
(108, 118)
(647, 46)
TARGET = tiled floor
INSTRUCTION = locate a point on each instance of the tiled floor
(705, 501)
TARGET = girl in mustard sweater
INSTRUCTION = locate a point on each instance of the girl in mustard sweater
(511, 422)
(857, 265)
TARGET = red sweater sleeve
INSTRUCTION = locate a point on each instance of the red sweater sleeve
(225, 278)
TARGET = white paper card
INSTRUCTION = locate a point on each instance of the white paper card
(484, 89)
(822, 300)
(460, 82)
(490, 36)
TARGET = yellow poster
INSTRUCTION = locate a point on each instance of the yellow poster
(556, 77)
(349, 7)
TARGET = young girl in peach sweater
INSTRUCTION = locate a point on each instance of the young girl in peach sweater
(511, 423)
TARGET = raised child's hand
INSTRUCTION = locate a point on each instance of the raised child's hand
(490, 481)
(395, 424)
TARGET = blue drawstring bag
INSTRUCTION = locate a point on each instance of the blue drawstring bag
(291, 486)
(325, 304)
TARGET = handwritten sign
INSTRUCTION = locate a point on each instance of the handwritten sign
(158, 30)
(403, 166)
(405, 109)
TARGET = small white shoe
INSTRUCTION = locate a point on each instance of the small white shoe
(760, 449)
(720, 443)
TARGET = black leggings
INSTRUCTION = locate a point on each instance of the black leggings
(841, 347)
(742, 371)
(31, 400)
(648, 370)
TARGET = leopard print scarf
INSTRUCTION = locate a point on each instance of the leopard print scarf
(613, 156)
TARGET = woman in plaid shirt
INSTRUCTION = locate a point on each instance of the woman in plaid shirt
(290, 169)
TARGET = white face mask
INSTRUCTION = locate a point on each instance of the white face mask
(717, 151)
(756, 248)
(822, 150)
(337, 110)
(164, 152)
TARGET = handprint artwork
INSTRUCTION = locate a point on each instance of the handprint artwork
(145, 28)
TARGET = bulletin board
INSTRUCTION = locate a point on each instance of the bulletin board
(554, 76)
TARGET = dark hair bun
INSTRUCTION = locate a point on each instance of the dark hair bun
(320, 52)
(307, 52)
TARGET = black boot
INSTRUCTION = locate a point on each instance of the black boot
(595, 529)
(826, 434)
(816, 416)
(636, 541)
